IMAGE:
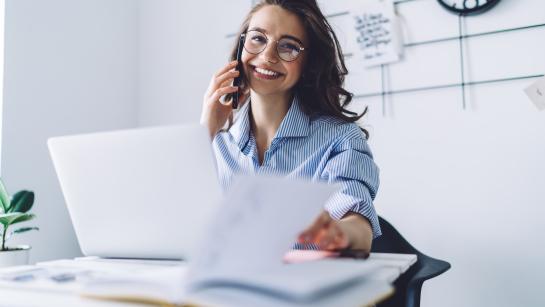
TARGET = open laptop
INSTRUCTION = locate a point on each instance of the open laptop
(140, 193)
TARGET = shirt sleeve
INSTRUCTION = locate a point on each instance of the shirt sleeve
(351, 165)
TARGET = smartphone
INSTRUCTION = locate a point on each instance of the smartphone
(237, 80)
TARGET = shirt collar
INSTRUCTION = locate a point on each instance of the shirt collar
(295, 124)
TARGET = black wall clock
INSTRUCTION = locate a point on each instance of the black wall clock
(468, 7)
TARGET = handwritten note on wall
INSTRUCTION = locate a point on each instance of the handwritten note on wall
(376, 32)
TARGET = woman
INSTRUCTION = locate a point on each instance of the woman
(294, 121)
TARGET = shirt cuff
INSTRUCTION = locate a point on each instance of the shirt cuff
(366, 210)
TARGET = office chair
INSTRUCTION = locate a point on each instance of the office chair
(409, 285)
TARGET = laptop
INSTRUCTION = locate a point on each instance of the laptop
(143, 193)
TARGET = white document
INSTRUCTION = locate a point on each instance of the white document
(258, 223)
(536, 93)
(376, 32)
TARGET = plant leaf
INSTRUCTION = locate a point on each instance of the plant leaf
(24, 229)
(22, 201)
(7, 218)
(14, 218)
(4, 197)
(23, 218)
(21, 230)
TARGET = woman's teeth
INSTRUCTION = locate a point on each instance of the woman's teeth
(266, 72)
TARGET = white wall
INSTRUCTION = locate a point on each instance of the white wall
(462, 185)
(70, 67)
(2, 24)
(181, 44)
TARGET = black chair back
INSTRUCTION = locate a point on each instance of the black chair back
(409, 285)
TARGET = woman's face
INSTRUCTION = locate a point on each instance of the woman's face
(266, 72)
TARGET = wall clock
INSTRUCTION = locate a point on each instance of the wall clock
(468, 7)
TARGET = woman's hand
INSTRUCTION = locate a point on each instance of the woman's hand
(352, 231)
(215, 112)
(326, 233)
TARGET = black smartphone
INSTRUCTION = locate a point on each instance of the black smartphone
(236, 82)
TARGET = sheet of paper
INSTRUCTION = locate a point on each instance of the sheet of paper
(258, 223)
(536, 93)
(376, 32)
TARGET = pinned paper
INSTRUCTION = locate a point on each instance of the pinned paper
(536, 93)
(376, 32)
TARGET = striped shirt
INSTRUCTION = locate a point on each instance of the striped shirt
(321, 149)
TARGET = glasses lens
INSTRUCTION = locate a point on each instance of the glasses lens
(255, 42)
(289, 49)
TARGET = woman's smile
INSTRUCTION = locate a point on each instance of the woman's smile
(265, 73)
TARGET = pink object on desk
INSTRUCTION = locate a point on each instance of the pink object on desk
(297, 256)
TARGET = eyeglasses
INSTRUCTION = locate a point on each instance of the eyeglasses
(288, 49)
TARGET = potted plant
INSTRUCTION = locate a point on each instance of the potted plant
(14, 210)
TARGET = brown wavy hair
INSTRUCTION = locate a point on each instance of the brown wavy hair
(320, 87)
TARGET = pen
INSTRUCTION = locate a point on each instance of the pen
(353, 253)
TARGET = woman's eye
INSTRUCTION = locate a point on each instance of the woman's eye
(289, 46)
(259, 39)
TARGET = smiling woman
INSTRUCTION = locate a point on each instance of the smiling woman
(293, 120)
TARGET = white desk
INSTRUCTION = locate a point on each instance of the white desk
(364, 293)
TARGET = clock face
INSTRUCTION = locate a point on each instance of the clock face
(466, 7)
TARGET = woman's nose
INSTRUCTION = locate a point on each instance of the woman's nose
(269, 54)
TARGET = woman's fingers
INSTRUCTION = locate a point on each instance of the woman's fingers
(333, 238)
(215, 113)
(326, 233)
(338, 239)
(223, 91)
(311, 233)
(227, 77)
(224, 74)
(328, 236)
(226, 68)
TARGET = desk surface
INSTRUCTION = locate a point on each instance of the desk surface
(367, 292)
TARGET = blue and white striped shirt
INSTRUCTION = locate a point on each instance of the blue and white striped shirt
(322, 149)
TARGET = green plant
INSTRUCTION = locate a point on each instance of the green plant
(14, 210)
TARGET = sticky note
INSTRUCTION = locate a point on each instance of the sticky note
(536, 93)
